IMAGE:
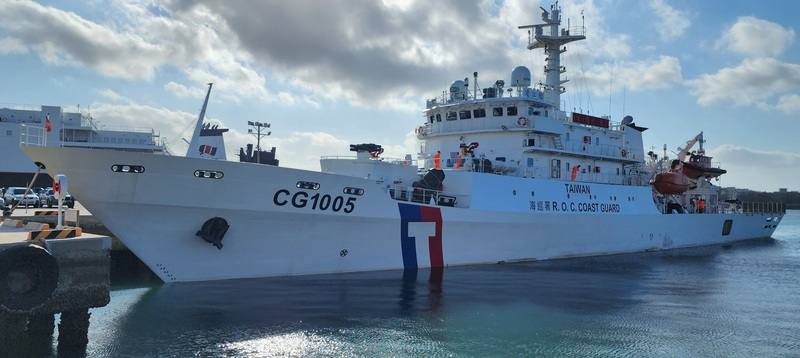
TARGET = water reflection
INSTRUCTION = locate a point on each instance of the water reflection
(638, 303)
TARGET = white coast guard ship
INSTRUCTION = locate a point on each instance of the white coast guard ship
(503, 175)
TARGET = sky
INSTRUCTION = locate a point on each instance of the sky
(326, 74)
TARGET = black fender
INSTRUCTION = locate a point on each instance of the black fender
(28, 277)
(213, 231)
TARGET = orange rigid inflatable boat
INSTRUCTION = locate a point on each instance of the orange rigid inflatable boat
(671, 183)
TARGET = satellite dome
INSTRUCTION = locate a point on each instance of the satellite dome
(457, 90)
(521, 77)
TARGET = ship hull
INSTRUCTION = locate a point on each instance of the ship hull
(273, 232)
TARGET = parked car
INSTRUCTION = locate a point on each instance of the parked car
(16, 195)
(48, 198)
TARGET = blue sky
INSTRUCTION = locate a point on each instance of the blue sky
(327, 74)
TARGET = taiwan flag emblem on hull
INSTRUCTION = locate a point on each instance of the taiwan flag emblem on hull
(207, 149)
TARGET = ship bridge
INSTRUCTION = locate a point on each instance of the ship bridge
(517, 127)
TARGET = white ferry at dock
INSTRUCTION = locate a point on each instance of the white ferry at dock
(503, 175)
(66, 129)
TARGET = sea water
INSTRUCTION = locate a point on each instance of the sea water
(723, 301)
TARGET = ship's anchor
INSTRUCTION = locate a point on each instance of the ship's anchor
(213, 231)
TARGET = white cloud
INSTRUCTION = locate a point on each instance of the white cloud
(12, 46)
(111, 95)
(644, 75)
(748, 168)
(789, 103)
(390, 54)
(751, 36)
(61, 37)
(135, 44)
(183, 91)
(672, 23)
(386, 54)
(753, 81)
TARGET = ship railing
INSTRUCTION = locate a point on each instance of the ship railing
(32, 136)
(590, 149)
(763, 207)
(426, 196)
(389, 160)
(542, 172)
(747, 207)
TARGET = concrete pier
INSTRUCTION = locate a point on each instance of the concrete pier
(27, 323)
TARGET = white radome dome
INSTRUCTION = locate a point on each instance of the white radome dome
(521, 77)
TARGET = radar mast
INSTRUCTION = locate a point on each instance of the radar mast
(549, 37)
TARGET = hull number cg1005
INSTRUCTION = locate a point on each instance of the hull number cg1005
(322, 202)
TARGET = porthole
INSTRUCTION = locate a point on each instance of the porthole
(209, 174)
(353, 191)
(125, 168)
(307, 185)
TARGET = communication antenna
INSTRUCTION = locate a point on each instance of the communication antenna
(475, 85)
(259, 132)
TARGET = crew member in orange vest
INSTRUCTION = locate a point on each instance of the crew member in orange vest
(575, 170)
(437, 160)
(459, 159)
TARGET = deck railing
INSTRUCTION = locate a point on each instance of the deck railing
(763, 207)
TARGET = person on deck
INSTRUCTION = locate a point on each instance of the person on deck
(575, 171)
(437, 160)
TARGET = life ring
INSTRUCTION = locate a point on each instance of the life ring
(522, 121)
(28, 277)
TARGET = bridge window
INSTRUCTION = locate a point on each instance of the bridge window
(465, 114)
(451, 116)
(479, 113)
(497, 111)
(432, 118)
(532, 111)
(438, 117)
(511, 111)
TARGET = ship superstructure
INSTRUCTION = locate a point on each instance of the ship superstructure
(52, 126)
(505, 177)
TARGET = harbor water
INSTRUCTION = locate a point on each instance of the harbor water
(738, 300)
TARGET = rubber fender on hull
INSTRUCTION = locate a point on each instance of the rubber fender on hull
(28, 277)
(213, 231)
(432, 180)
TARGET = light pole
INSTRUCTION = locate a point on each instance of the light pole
(258, 132)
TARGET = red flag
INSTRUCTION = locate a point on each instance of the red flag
(47, 124)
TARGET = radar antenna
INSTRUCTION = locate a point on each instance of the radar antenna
(551, 39)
